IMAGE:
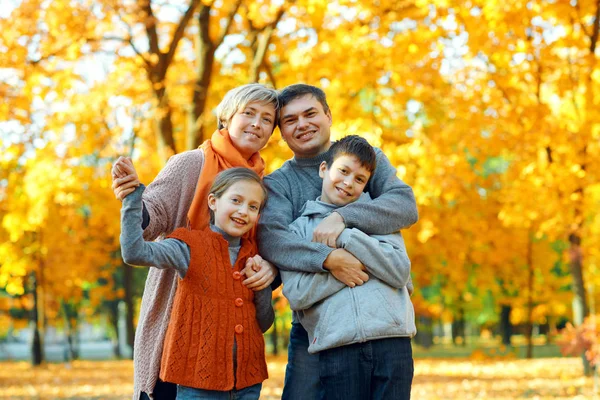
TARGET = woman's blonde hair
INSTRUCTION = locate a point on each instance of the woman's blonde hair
(238, 98)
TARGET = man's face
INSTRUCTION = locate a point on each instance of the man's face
(305, 126)
(344, 181)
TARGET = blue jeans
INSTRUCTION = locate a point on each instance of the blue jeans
(248, 393)
(377, 370)
(302, 371)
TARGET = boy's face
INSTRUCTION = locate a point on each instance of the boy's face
(344, 182)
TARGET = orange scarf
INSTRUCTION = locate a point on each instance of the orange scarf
(219, 155)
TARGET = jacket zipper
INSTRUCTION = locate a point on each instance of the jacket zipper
(359, 325)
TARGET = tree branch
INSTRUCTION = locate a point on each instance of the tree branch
(185, 19)
(150, 24)
(227, 26)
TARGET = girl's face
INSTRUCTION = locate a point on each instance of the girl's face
(251, 127)
(236, 211)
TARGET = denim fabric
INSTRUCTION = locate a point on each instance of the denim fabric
(162, 391)
(376, 370)
(302, 371)
(249, 393)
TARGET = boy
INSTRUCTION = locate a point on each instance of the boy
(362, 333)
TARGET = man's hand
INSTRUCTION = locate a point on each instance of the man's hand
(329, 229)
(259, 272)
(346, 268)
(124, 177)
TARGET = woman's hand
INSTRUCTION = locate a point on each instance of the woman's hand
(259, 272)
(124, 177)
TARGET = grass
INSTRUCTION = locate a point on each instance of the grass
(435, 378)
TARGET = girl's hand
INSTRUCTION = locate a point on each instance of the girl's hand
(260, 273)
(124, 177)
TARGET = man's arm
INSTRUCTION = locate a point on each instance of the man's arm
(304, 289)
(383, 256)
(278, 244)
(169, 253)
(393, 206)
(293, 251)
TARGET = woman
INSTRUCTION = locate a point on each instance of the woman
(177, 197)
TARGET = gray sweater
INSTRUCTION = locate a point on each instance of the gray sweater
(175, 254)
(393, 207)
(336, 315)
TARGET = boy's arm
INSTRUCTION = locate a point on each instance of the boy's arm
(393, 206)
(303, 289)
(169, 253)
(383, 256)
(264, 308)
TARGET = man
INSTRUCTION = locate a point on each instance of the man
(305, 122)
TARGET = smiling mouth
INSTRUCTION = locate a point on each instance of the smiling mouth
(306, 135)
(343, 192)
(252, 134)
(239, 221)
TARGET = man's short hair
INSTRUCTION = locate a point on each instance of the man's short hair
(292, 92)
(238, 98)
(353, 145)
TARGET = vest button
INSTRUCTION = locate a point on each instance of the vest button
(236, 275)
(239, 329)
(239, 302)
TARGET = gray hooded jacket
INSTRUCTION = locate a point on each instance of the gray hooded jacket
(336, 315)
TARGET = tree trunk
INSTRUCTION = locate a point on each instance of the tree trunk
(458, 328)
(128, 285)
(37, 353)
(164, 124)
(580, 306)
(530, 277)
(205, 52)
(505, 325)
(113, 317)
(424, 335)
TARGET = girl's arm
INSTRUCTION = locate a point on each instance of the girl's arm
(169, 253)
(264, 308)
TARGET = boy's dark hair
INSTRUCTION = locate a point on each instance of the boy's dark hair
(297, 90)
(353, 145)
(227, 178)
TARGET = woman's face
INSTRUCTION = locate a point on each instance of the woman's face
(251, 127)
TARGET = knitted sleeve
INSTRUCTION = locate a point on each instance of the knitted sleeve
(276, 242)
(264, 308)
(393, 206)
(168, 198)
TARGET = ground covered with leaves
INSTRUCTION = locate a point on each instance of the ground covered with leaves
(547, 378)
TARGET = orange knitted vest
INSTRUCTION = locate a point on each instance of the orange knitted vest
(210, 309)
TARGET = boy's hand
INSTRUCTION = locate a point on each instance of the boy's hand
(329, 229)
(124, 177)
(260, 273)
(346, 268)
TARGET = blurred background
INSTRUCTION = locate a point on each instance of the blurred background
(489, 110)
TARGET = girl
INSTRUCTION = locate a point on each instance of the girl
(177, 198)
(214, 347)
